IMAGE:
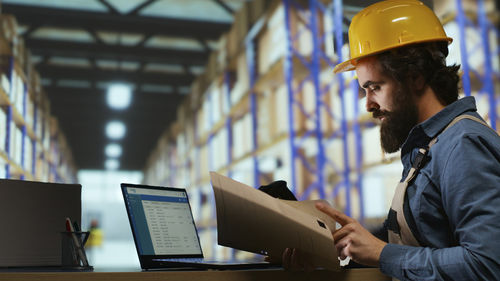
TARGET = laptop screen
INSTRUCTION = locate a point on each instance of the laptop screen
(161, 221)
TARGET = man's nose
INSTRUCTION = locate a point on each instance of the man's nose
(370, 105)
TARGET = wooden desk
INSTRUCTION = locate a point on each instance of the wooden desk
(254, 275)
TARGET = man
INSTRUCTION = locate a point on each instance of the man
(444, 222)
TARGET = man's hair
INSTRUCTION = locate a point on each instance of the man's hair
(428, 61)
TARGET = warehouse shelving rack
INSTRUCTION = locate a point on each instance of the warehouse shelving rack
(291, 68)
(488, 78)
(313, 67)
(32, 151)
(14, 118)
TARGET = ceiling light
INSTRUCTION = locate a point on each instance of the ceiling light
(119, 96)
(112, 164)
(113, 150)
(115, 130)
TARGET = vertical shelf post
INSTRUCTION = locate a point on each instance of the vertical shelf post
(339, 42)
(251, 58)
(315, 73)
(227, 96)
(9, 117)
(288, 71)
(33, 142)
(7, 139)
(462, 24)
(488, 85)
(24, 132)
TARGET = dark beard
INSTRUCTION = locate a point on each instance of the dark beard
(398, 122)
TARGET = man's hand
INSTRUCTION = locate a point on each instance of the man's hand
(294, 260)
(353, 240)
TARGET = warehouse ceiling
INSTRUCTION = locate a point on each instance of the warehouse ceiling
(80, 47)
(157, 47)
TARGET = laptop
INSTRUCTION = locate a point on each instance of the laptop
(164, 231)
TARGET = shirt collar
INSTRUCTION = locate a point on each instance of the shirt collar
(434, 125)
(422, 133)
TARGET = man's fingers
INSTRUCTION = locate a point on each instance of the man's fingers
(340, 234)
(295, 260)
(336, 215)
(344, 252)
(286, 258)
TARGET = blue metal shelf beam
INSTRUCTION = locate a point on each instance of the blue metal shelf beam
(315, 71)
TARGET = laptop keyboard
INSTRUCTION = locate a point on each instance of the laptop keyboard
(186, 260)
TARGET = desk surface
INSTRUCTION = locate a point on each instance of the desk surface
(251, 275)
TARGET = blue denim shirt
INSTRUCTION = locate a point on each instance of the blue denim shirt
(454, 202)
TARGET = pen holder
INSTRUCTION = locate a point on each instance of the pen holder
(72, 249)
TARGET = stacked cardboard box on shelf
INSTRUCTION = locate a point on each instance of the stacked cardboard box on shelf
(445, 8)
(31, 148)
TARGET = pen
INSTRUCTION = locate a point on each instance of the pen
(77, 242)
(73, 252)
(77, 229)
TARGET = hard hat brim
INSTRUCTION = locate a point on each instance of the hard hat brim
(344, 66)
(350, 64)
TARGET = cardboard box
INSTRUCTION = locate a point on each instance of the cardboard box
(446, 8)
(41, 166)
(242, 136)
(242, 83)
(29, 115)
(204, 120)
(265, 118)
(9, 28)
(20, 95)
(19, 52)
(273, 42)
(181, 112)
(257, 8)
(28, 154)
(211, 69)
(215, 96)
(242, 21)
(35, 81)
(222, 54)
(233, 45)
(16, 150)
(242, 72)
(220, 149)
(5, 83)
(198, 90)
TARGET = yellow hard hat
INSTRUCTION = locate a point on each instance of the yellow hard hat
(390, 24)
